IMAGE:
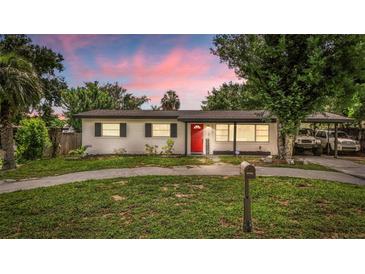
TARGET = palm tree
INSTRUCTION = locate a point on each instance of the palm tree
(20, 87)
(170, 101)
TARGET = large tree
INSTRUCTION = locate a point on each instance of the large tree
(47, 64)
(294, 74)
(20, 87)
(170, 101)
(232, 96)
(356, 107)
(96, 96)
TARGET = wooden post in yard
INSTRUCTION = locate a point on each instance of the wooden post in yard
(336, 139)
(328, 139)
(249, 172)
(234, 138)
(186, 138)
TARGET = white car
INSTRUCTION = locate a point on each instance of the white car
(345, 143)
(306, 141)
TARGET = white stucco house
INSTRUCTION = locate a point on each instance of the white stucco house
(193, 131)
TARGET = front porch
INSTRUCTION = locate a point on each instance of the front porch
(230, 138)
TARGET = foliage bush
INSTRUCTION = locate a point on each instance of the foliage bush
(81, 151)
(150, 150)
(31, 139)
(168, 149)
(120, 151)
(57, 123)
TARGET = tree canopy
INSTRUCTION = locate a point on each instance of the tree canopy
(96, 96)
(20, 87)
(170, 101)
(232, 96)
(46, 63)
(356, 108)
(295, 74)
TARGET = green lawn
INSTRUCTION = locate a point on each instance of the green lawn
(61, 165)
(236, 160)
(185, 207)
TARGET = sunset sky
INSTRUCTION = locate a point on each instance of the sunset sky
(144, 64)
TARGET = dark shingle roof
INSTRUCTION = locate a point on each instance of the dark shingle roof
(208, 116)
(327, 117)
(225, 115)
(108, 113)
(182, 115)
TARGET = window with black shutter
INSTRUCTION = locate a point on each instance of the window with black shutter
(97, 129)
(123, 130)
(173, 130)
(148, 130)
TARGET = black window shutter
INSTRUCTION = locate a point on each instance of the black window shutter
(173, 130)
(123, 130)
(148, 130)
(97, 129)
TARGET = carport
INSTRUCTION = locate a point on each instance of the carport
(328, 118)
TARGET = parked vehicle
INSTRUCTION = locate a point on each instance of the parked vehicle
(305, 140)
(345, 143)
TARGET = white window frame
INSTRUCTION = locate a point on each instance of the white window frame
(268, 133)
(254, 133)
(222, 135)
(230, 138)
(117, 132)
(168, 131)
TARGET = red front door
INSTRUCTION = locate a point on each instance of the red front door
(197, 138)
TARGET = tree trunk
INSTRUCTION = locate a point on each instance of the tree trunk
(360, 136)
(7, 140)
(55, 136)
(285, 144)
(289, 145)
(281, 143)
(360, 131)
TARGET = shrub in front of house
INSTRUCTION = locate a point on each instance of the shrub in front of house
(120, 151)
(150, 150)
(168, 149)
(31, 139)
(79, 152)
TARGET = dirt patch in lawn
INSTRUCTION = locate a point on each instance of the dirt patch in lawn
(118, 198)
(181, 195)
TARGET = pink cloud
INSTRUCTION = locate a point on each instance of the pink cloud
(192, 72)
(69, 45)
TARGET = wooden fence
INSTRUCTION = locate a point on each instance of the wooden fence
(69, 141)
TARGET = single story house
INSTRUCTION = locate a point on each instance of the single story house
(193, 131)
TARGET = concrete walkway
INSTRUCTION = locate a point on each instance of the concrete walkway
(215, 169)
(345, 166)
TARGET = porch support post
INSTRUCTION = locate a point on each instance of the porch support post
(328, 140)
(234, 138)
(336, 139)
(186, 138)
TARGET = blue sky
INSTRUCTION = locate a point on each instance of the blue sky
(144, 64)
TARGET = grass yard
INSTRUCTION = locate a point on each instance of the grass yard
(61, 165)
(185, 207)
(255, 160)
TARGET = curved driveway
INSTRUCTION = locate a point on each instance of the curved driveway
(216, 169)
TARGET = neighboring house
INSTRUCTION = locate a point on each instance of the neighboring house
(194, 131)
